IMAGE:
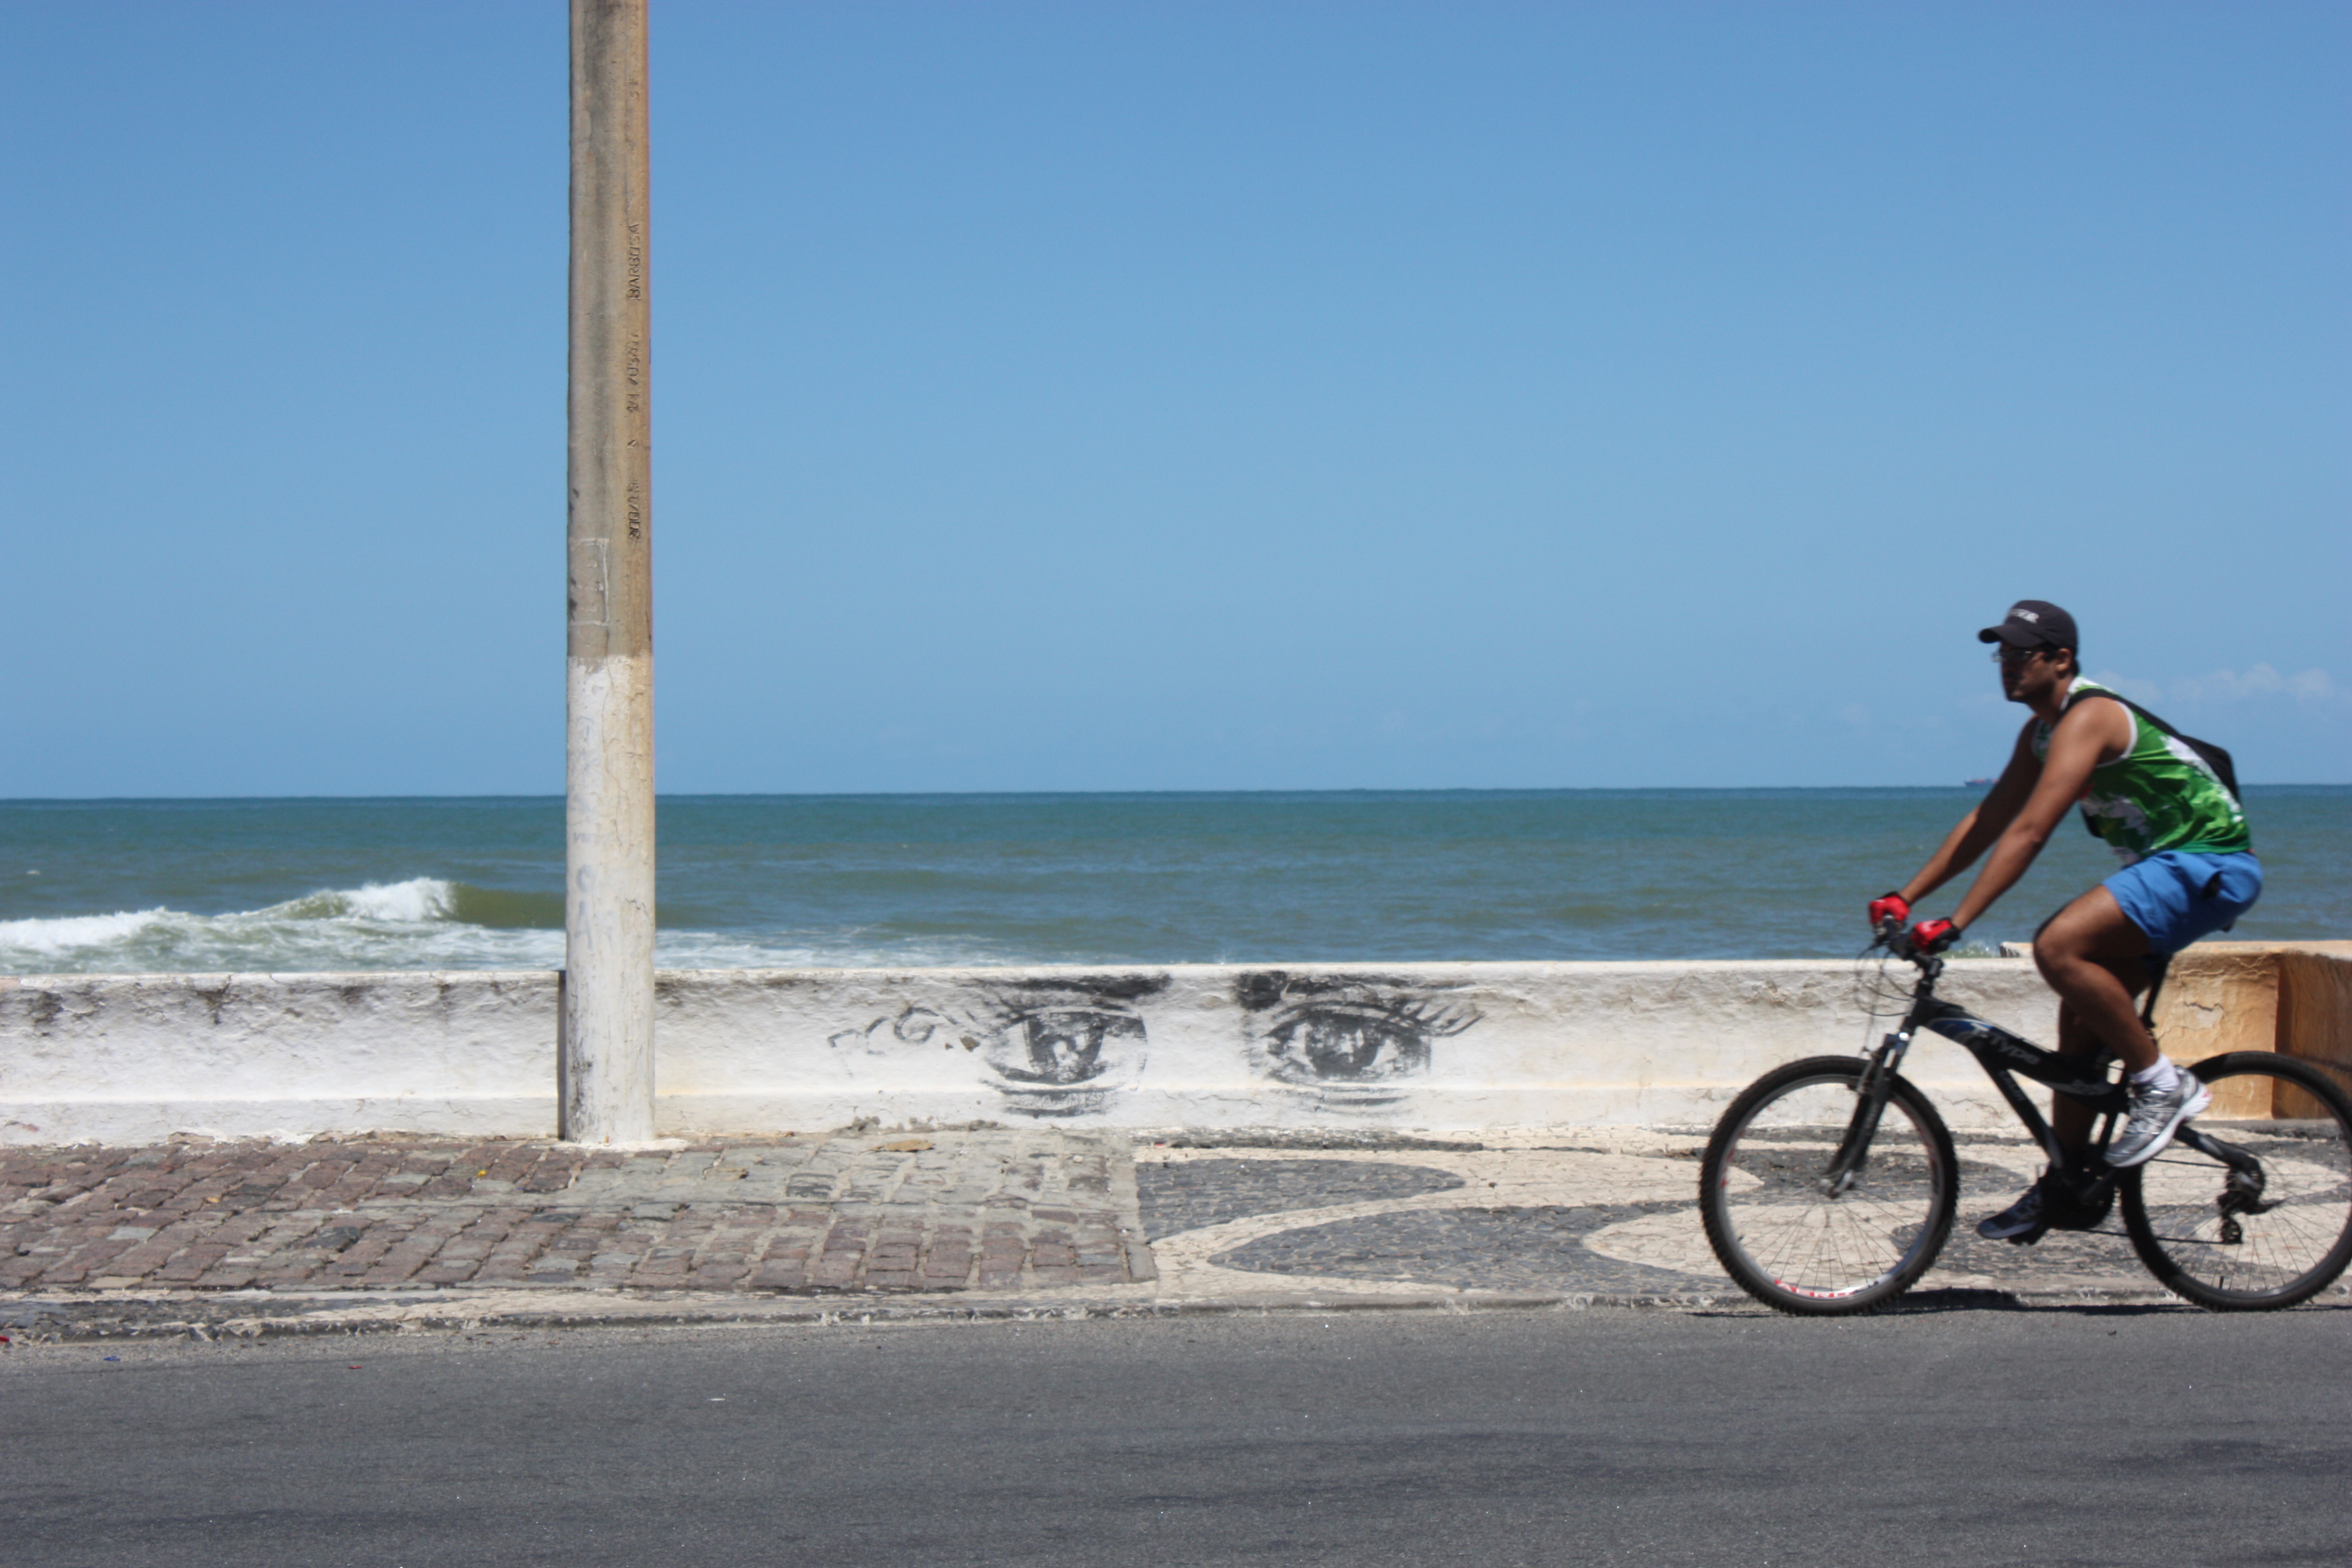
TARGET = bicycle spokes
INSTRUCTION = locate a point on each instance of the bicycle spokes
(1813, 1210)
(2252, 1208)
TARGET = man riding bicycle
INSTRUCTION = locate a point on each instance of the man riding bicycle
(2188, 871)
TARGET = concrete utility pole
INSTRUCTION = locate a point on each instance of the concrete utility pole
(605, 1069)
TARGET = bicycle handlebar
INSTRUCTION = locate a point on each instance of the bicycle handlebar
(1896, 938)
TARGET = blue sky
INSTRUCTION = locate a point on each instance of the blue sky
(1189, 395)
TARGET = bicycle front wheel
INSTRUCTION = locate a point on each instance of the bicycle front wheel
(2249, 1208)
(1777, 1229)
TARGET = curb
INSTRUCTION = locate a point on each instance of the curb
(56, 1319)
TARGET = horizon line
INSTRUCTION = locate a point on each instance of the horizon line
(1037, 793)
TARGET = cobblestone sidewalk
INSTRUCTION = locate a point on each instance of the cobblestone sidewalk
(999, 1222)
(947, 1211)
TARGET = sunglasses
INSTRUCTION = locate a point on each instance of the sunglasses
(2005, 654)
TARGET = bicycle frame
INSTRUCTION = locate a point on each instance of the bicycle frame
(2002, 1054)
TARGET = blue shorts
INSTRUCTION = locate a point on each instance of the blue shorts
(2176, 898)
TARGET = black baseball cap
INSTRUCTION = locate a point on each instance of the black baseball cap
(2035, 623)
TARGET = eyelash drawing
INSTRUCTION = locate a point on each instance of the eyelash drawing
(1350, 1043)
(1053, 1048)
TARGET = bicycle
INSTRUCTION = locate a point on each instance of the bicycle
(1817, 1203)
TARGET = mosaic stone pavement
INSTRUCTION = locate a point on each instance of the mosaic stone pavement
(1532, 1249)
(1040, 1214)
(1615, 1216)
(1209, 1192)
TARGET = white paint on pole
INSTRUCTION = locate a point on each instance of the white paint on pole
(605, 1076)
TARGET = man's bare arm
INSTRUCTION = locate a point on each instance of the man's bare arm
(2084, 738)
(1981, 826)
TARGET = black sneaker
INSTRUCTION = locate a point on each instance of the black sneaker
(2023, 1221)
(2053, 1202)
(2083, 1201)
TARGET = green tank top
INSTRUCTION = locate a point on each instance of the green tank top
(2158, 795)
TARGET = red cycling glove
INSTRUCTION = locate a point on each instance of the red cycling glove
(1934, 936)
(1889, 907)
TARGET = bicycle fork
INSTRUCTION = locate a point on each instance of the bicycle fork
(1869, 1104)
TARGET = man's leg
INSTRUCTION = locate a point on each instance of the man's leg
(2069, 1117)
(2090, 953)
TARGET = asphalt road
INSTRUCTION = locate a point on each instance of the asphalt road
(1967, 1434)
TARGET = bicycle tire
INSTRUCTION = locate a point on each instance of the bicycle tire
(2178, 1210)
(1792, 1246)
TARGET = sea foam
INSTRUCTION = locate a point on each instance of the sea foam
(421, 924)
(71, 932)
(410, 924)
(414, 901)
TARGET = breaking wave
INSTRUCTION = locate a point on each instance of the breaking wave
(422, 923)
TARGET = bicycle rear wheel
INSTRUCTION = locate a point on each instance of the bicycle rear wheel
(1782, 1235)
(2262, 1217)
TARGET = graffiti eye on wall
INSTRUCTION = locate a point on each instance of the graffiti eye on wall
(1348, 1044)
(1051, 1047)
(1064, 1045)
(1352, 1042)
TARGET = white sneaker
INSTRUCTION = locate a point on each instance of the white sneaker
(2156, 1115)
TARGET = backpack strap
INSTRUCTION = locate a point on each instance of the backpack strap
(2214, 757)
(2090, 822)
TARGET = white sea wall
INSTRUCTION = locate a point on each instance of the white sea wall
(1450, 1048)
(133, 1058)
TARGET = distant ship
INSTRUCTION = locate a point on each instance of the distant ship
(1974, 784)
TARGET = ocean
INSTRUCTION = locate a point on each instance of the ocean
(165, 886)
